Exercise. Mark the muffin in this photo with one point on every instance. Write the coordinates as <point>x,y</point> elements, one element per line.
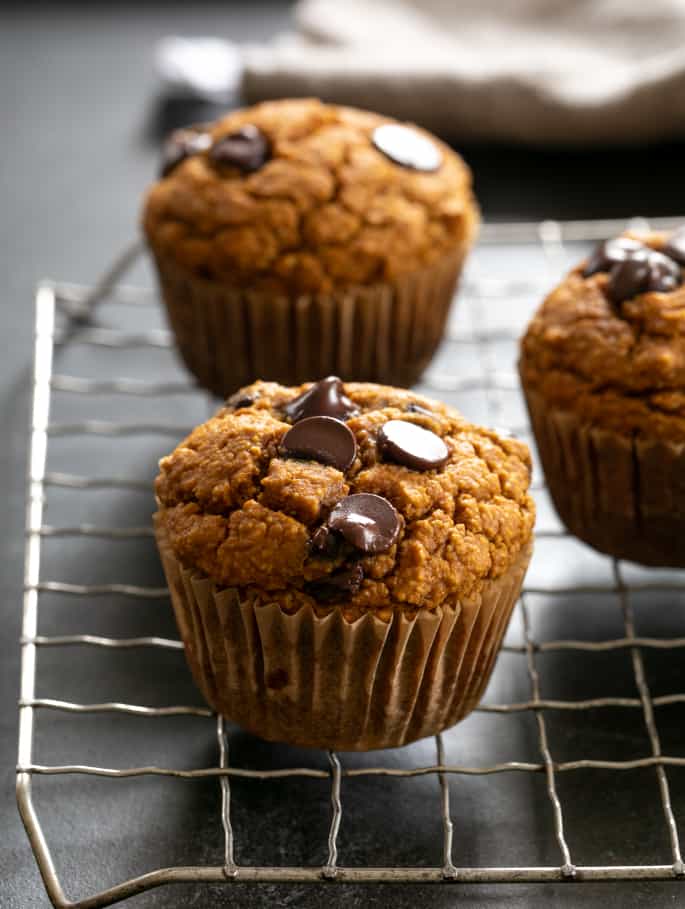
<point>603,371</point>
<point>343,560</point>
<point>294,239</point>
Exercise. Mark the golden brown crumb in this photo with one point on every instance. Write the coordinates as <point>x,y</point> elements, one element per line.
<point>237,511</point>
<point>620,367</point>
<point>327,209</point>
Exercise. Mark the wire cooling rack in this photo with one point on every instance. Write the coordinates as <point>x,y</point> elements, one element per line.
<point>87,356</point>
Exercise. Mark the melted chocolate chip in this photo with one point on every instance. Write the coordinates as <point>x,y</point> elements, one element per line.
<point>336,586</point>
<point>326,398</point>
<point>664,273</point>
<point>241,399</point>
<point>628,279</point>
<point>411,445</point>
<point>675,248</point>
<point>323,439</point>
<point>635,268</point>
<point>367,521</point>
<point>247,149</point>
<point>636,276</point>
<point>407,147</point>
<point>181,144</point>
<point>611,252</point>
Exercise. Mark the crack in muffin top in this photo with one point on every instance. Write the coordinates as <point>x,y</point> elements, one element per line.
<point>235,507</point>
<point>326,208</point>
<point>621,364</point>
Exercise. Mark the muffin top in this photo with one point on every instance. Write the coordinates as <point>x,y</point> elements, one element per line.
<point>363,496</point>
<point>302,196</point>
<point>609,342</point>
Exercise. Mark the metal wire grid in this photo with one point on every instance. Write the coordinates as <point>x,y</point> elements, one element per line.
<point>77,303</point>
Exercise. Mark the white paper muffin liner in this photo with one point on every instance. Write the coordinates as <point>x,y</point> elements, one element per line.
<point>324,682</point>
<point>384,332</point>
<point>623,495</point>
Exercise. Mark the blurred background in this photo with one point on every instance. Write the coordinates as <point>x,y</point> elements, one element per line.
<point>564,109</point>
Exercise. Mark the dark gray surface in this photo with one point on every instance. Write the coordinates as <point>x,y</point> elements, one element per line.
<point>77,94</point>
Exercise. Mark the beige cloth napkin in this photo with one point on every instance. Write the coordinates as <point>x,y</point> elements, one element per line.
<point>582,71</point>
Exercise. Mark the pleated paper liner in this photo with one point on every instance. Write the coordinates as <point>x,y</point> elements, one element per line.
<point>623,495</point>
<point>329,683</point>
<point>385,332</point>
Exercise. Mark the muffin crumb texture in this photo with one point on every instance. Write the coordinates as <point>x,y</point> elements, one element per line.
<point>238,510</point>
<point>325,208</point>
<point>619,364</point>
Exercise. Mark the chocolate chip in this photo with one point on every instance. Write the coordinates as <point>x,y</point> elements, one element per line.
<point>628,279</point>
<point>241,399</point>
<point>326,398</point>
<point>417,408</point>
<point>411,445</point>
<point>635,268</point>
<point>611,252</point>
<point>342,584</point>
<point>323,439</point>
<point>664,273</point>
<point>367,521</point>
<point>675,248</point>
<point>631,277</point>
<point>247,149</point>
<point>407,147</point>
<point>181,144</point>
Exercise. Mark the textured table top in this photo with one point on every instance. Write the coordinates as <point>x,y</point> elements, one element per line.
<point>80,146</point>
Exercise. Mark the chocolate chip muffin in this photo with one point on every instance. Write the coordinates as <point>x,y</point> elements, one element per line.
<point>295,238</point>
<point>343,560</point>
<point>603,371</point>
